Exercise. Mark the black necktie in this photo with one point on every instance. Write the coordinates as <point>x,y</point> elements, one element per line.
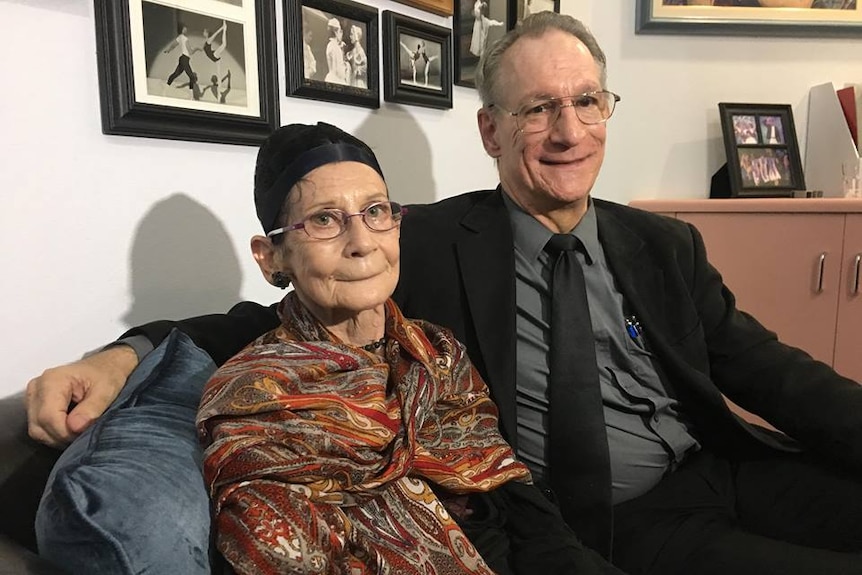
<point>579,463</point>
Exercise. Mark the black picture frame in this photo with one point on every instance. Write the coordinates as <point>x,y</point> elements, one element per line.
<point>518,7</point>
<point>239,105</point>
<point>302,17</point>
<point>409,74</point>
<point>763,157</point>
<point>468,40</point>
<point>673,17</point>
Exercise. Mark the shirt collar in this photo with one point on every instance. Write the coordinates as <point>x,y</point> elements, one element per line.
<point>531,236</point>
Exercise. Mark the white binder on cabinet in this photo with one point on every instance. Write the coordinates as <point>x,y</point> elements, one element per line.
<point>829,145</point>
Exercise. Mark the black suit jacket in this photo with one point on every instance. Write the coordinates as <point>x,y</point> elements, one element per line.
<point>457,270</point>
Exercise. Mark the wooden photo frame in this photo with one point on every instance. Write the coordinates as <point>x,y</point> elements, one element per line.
<point>170,70</point>
<point>332,52</point>
<point>441,7</point>
<point>476,25</point>
<point>820,18</point>
<point>417,62</point>
<point>520,9</point>
<point>763,157</point>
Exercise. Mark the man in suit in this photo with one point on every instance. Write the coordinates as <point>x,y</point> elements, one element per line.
<point>690,487</point>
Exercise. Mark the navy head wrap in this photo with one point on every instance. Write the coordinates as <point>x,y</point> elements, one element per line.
<point>293,151</point>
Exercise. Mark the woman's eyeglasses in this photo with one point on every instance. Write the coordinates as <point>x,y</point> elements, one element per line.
<point>331,223</point>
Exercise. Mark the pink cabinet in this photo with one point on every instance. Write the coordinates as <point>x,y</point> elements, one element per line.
<point>848,336</point>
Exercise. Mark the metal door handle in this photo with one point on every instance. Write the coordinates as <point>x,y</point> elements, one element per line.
<point>857,263</point>
<point>821,265</point>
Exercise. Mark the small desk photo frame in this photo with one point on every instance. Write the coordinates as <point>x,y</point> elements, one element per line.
<point>763,157</point>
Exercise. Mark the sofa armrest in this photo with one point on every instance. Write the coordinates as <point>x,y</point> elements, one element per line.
<point>24,468</point>
<point>16,560</point>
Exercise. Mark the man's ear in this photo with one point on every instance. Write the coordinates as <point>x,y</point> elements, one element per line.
<point>488,131</point>
<point>265,255</point>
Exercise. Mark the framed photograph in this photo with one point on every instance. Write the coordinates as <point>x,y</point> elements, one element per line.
<point>417,60</point>
<point>819,18</point>
<point>520,9</point>
<point>331,51</point>
<point>477,24</point>
<point>762,152</point>
<point>178,71</point>
<point>441,7</point>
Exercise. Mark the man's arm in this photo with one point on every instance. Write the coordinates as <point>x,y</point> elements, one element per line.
<point>220,335</point>
<point>65,400</point>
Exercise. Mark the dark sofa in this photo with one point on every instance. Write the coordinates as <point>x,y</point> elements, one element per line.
<point>24,468</point>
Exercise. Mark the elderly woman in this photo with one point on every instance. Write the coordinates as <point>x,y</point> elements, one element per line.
<point>350,439</point>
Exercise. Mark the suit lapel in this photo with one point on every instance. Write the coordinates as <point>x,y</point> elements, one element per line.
<point>486,261</point>
<point>639,278</point>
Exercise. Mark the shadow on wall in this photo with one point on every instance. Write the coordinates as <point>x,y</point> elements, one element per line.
<point>404,153</point>
<point>182,263</point>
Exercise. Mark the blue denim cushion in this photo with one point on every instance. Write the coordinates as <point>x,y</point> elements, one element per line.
<point>127,496</point>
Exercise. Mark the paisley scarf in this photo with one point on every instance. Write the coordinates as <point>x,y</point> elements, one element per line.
<point>320,455</point>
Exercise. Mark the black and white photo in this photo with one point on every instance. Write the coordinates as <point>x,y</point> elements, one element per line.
<point>420,62</point>
<point>174,70</point>
<point>192,56</point>
<point>524,8</point>
<point>477,24</point>
<point>332,51</point>
<point>416,62</point>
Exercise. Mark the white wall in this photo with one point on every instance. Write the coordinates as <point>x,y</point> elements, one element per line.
<point>98,233</point>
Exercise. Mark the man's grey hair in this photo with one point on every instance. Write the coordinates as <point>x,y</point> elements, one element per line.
<point>533,26</point>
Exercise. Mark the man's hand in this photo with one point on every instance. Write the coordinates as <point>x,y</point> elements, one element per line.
<point>66,400</point>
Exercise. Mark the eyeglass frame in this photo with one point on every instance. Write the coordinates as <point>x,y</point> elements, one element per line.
<point>572,99</point>
<point>345,219</point>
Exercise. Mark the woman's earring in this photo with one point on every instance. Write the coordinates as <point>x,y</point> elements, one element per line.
<point>280,280</point>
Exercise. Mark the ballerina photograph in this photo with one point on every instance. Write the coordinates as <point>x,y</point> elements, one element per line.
<point>203,61</point>
<point>478,24</point>
<point>417,62</point>
<point>418,57</point>
<point>481,25</point>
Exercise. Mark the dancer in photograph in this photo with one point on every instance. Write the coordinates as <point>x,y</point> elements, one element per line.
<point>184,60</point>
<point>481,24</point>
<point>215,54</point>
<point>414,56</point>
<point>309,62</point>
<point>337,65</point>
<point>428,59</point>
<point>226,83</point>
<point>357,59</point>
<point>215,87</point>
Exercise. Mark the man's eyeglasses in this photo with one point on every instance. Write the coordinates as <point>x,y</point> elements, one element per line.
<point>331,223</point>
<point>539,115</point>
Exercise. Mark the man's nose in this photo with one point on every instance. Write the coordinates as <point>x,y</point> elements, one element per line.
<point>568,128</point>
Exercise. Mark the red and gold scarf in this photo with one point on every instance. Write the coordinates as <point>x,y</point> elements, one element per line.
<point>319,454</point>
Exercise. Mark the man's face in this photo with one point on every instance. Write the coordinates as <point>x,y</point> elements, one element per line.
<point>551,171</point>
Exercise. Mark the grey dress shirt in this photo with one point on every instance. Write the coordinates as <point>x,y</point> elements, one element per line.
<point>647,435</point>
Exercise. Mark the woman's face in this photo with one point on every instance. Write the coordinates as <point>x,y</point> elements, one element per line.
<point>357,271</point>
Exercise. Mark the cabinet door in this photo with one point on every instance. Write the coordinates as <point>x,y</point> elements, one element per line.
<point>848,340</point>
<point>772,263</point>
